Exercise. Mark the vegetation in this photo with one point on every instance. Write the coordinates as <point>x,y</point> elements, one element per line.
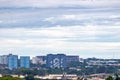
<point>115,77</point>
<point>23,71</point>
<point>78,68</point>
<point>10,78</point>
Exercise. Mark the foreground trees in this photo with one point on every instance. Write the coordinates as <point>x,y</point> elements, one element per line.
<point>10,78</point>
<point>30,77</point>
<point>116,77</point>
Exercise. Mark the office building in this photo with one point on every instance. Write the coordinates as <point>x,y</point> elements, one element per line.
<point>25,62</point>
<point>72,58</point>
<point>0,59</point>
<point>41,59</point>
<point>56,60</point>
<point>60,60</point>
<point>34,60</point>
<point>12,61</point>
<point>4,59</point>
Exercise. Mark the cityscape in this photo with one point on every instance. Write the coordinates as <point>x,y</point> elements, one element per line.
<point>59,39</point>
<point>58,66</point>
<point>51,60</point>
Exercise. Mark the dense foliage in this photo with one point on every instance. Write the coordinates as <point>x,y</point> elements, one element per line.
<point>79,68</point>
<point>115,77</point>
<point>10,78</point>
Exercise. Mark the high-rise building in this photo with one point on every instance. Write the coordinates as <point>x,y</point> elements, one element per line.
<point>72,58</point>
<point>60,60</point>
<point>56,60</point>
<point>1,60</point>
<point>4,59</point>
<point>12,61</point>
<point>25,62</point>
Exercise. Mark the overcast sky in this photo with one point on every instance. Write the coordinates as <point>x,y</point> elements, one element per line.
<point>88,28</point>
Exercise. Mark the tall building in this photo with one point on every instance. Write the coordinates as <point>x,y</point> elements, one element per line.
<point>56,60</point>
<point>4,59</point>
<point>1,60</point>
<point>60,60</point>
<point>25,62</point>
<point>72,58</point>
<point>12,61</point>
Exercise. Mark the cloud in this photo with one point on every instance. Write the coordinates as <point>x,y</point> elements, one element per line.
<point>86,19</point>
<point>82,27</point>
<point>38,47</point>
<point>59,3</point>
<point>63,33</point>
<point>72,39</point>
<point>37,18</point>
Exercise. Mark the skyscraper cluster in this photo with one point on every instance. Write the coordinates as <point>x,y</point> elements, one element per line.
<point>58,60</point>
<point>12,61</point>
<point>50,60</point>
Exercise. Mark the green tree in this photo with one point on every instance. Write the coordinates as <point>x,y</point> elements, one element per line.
<point>7,77</point>
<point>109,78</point>
<point>29,77</point>
<point>116,77</point>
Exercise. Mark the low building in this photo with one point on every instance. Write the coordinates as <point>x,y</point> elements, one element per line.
<point>14,76</point>
<point>21,76</point>
<point>60,76</point>
<point>34,60</point>
<point>95,79</point>
<point>100,76</point>
<point>39,60</point>
<point>0,75</point>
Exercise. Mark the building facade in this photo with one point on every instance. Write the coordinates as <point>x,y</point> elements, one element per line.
<point>4,59</point>
<point>70,59</point>
<point>1,60</point>
<point>60,60</point>
<point>34,60</point>
<point>25,62</point>
<point>39,60</point>
<point>12,61</point>
<point>56,60</point>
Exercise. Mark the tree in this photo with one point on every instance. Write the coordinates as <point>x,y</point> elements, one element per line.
<point>7,77</point>
<point>109,78</point>
<point>116,77</point>
<point>29,77</point>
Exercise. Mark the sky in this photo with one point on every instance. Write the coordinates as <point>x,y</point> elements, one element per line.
<point>88,28</point>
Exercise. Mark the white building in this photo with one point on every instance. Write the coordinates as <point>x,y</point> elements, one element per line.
<point>60,76</point>
<point>39,60</point>
<point>35,60</point>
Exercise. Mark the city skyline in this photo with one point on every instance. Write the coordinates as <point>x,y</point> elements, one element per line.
<point>88,28</point>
